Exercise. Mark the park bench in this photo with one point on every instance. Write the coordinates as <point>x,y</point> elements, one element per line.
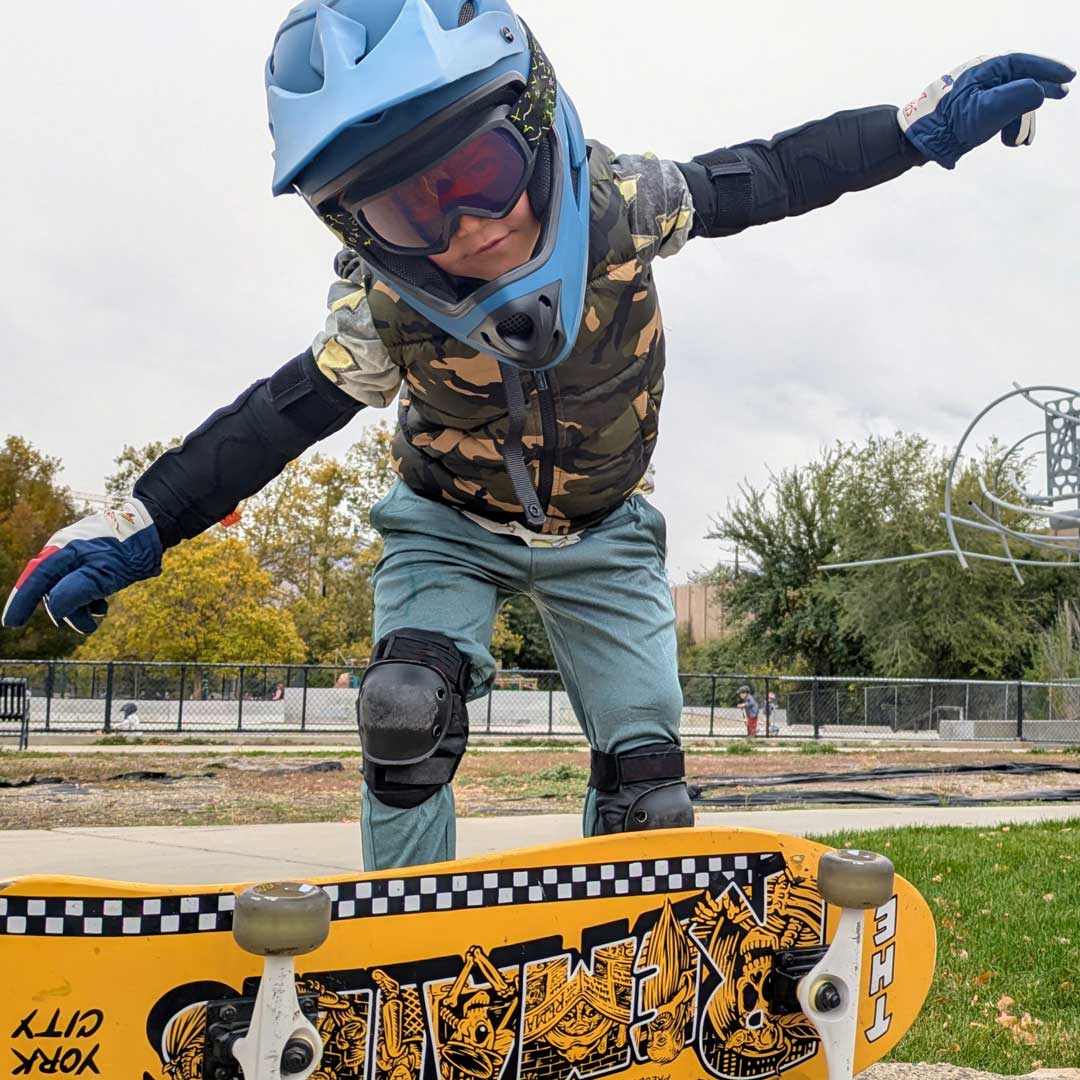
<point>15,707</point>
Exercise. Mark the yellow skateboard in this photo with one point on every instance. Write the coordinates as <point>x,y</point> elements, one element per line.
<point>674,955</point>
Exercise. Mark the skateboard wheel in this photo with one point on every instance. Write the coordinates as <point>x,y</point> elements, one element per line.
<point>281,918</point>
<point>855,879</point>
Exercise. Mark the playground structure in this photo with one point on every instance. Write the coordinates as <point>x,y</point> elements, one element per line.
<point>1056,508</point>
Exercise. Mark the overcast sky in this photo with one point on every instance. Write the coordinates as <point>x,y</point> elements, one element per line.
<point>147,276</point>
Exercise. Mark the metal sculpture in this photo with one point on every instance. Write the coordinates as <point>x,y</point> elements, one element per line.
<point>1058,506</point>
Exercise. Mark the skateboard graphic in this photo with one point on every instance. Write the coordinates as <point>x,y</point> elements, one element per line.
<point>673,955</point>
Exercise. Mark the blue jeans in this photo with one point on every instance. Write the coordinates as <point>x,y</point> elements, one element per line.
<point>605,604</point>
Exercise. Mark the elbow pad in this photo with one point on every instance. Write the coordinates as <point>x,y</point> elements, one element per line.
<point>241,448</point>
<point>721,186</point>
<point>808,167</point>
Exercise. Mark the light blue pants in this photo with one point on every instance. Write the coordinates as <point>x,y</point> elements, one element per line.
<point>605,603</point>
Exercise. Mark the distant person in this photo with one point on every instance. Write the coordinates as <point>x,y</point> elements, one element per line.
<point>129,718</point>
<point>354,674</point>
<point>774,715</point>
<point>343,681</point>
<point>750,707</point>
<point>279,692</point>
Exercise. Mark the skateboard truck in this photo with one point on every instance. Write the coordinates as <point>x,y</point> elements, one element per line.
<point>279,921</point>
<point>853,881</point>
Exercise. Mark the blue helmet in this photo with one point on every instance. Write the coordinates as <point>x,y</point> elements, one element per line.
<point>360,92</point>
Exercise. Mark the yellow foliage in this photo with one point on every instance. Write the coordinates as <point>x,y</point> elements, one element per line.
<point>211,604</point>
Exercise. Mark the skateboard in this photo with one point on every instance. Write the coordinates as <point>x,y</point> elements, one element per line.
<point>666,955</point>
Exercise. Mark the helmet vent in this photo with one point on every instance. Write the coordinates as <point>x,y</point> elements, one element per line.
<point>467,13</point>
<point>516,326</point>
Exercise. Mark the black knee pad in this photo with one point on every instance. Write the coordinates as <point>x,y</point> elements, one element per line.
<point>411,711</point>
<point>641,789</point>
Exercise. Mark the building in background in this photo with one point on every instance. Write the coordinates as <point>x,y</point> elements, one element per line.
<point>699,612</point>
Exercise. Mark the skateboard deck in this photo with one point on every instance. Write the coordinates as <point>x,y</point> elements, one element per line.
<point>652,955</point>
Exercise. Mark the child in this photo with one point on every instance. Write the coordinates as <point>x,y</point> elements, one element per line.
<point>497,271</point>
<point>750,709</point>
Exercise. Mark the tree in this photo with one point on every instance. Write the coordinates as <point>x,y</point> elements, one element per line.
<point>788,529</point>
<point>211,604</point>
<point>924,618</point>
<point>524,622</point>
<point>310,529</point>
<point>929,617</point>
<point>32,507</point>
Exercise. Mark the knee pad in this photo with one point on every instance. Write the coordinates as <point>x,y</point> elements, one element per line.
<point>641,789</point>
<point>411,711</point>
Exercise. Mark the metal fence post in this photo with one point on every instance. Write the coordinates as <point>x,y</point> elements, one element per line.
<point>303,699</point>
<point>551,710</point>
<point>712,706</point>
<point>108,696</point>
<point>1019,710</point>
<point>813,709</point>
<point>768,708</point>
<point>50,682</point>
<point>491,690</point>
<point>240,700</point>
<point>180,706</point>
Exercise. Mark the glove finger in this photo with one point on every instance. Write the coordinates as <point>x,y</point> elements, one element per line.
<point>39,576</point>
<point>1005,104</point>
<point>1054,90</point>
<point>1020,132</point>
<point>1014,67</point>
<point>81,591</point>
<point>86,619</point>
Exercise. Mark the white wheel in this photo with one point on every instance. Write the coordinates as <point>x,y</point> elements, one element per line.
<point>281,918</point>
<point>855,879</point>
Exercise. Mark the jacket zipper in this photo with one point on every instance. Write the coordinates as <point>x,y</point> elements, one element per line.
<point>549,444</point>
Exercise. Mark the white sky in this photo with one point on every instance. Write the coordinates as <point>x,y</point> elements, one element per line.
<point>147,276</point>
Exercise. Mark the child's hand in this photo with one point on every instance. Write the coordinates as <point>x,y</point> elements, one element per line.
<point>979,99</point>
<point>84,563</point>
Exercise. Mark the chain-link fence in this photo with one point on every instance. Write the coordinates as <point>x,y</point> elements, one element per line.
<point>118,697</point>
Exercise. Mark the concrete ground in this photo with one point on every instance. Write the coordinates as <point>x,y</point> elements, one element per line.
<point>230,854</point>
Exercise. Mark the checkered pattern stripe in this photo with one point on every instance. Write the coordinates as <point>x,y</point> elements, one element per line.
<point>135,917</point>
<point>62,916</point>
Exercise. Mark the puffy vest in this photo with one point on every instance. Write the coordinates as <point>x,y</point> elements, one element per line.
<point>591,422</point>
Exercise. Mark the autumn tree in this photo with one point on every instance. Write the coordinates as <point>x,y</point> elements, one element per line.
<point>33,505</point>
<point>211,604</point>
<point>310,529</point>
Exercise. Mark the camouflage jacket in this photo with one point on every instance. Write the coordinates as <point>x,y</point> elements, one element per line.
<point>591,422</point>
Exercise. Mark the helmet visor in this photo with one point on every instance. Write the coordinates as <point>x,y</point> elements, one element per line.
<point>484,176</point>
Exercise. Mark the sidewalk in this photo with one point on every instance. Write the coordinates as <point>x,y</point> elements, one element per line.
<point>230,854</point>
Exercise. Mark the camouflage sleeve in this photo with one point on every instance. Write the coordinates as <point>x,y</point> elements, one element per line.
<point>349,351</point>
<point>661,209</point>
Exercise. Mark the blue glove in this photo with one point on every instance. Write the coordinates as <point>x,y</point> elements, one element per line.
<point>979,99</point>
<point>84,563</point>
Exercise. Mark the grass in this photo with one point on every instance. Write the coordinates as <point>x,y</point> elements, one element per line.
<point>1006,993</point>
<point>817,748</point>
<point>739,748</point>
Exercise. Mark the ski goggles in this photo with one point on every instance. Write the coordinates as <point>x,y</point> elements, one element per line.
<point>484,176</point>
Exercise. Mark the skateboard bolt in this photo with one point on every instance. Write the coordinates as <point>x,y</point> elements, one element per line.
<point>228,1013</point>
<point>827,998</point>
<point>297,1057</point>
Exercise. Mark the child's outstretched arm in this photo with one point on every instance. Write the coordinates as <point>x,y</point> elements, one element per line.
<point>235,453</point>
<point>811,166</point>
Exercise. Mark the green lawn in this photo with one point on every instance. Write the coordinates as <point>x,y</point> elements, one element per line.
<point>1006,993</point>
